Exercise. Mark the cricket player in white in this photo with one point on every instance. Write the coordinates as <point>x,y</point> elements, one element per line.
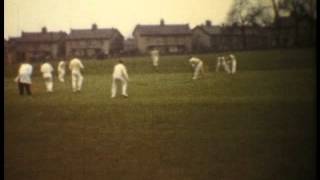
<point>75,67</point>
<point>46,69</point>
<point>155,58</point>
<point>119,75</point>
<point>61,70</point>
<point>24,78</point>
<point>233,62</point>
<point>197,64</point>
<point>221,61</point>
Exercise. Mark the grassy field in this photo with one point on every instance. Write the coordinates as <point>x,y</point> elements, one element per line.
<point>257,125</point>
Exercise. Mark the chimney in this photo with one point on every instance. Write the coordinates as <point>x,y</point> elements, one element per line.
<point>44,30</point>
<point>94,26</point>
<point>208,23</point>
<point>162,22</point>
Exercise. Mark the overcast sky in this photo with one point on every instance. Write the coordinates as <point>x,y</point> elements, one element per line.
<point>31,15</point>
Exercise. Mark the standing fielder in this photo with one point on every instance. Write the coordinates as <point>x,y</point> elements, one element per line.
<point>233,62</point>
<point>221,61</point>
<point>197,65</point>
<point>119,75</point>
<point>46,69</point>
<point>24,78</point>
<point>75,67</point>
<point>61,70</point>
<point>155,58</point>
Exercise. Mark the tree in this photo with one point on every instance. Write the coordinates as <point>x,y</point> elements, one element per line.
<point>299,10</point>
<point>245,13</point>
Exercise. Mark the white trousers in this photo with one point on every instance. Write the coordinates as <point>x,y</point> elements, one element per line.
<point>124,85</point>
<point>77,80</point>
<point>226,67</point>
<point>197,70</point>
<point>155,61</point>
<point>233,66</point>
<point>218,65</point>
<point>224,64</point>
<point>48,81</point>
<point>61,74</point>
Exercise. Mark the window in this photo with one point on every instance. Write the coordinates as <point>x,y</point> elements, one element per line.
<point>83,43</point>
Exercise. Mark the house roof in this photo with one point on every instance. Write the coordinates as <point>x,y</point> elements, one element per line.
<point>231,30</point>
<point>106,33</point>
<point>129,40</point>
<point>163,30</point>
<point>40,37</point>
<point>210,30</point>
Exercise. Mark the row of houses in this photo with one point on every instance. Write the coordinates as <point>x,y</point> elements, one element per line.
<point>88,43</point>
<point>167,38</point>
<point>208,38</point>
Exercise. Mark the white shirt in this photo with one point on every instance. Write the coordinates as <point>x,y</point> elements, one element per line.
<point>154,53</point>
<point>61,66</point>
<point>46,70</point>
<point>75,65</point>
<point>120,71</point>
<point>223,59</point>
<point>232,58</point>
<point>24,73</point>
<point>195,61</point>
<point>219,60</point>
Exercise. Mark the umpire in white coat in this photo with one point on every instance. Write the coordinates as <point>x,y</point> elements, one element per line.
<point>119,75</point>
<point>75,67</point>
<point>46,69</point>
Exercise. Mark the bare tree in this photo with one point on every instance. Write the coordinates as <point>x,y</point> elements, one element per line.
<point>275,7</point>
<point>248,13</point>
<point>258,15</point>
<point>237,16</point>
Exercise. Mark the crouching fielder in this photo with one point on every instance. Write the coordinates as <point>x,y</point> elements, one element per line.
<point>75,67</point>
<point>46,70</point>
<point>119,75</point>
<point>61,70</point>
<point>197,65</point>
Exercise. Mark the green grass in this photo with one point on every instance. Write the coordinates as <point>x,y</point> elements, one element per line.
<point>259,124</point>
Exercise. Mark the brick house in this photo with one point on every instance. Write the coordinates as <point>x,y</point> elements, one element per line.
<point>171,38</point>
<point>38,45</point>
<point>206,38</point>
<point>94,42</point>
<point>231,38</point>
<point>130,47</point>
